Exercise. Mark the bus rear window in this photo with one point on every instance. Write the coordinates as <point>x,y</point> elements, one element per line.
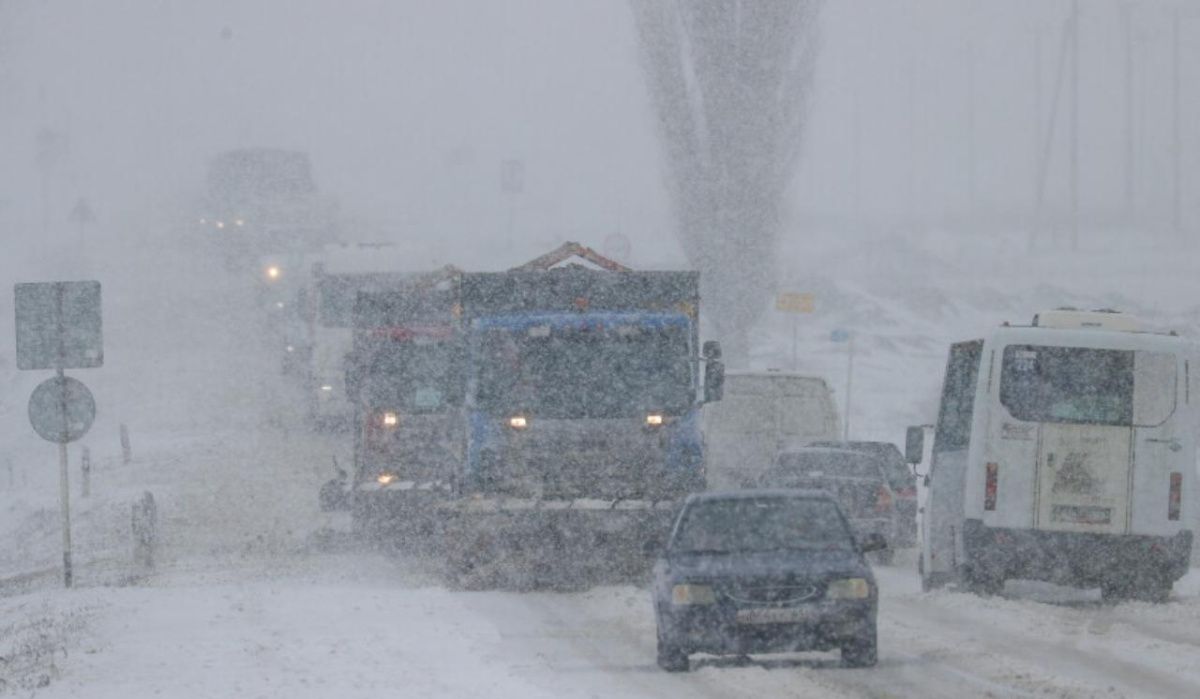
<point>1083,385</point>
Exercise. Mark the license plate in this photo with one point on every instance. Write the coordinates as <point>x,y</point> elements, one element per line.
<point>784,615</point>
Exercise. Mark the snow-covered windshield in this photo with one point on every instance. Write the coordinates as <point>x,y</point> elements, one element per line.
<point>769,523</point>
<point>415,377</point>
<point>1081,385</point>
<point>565,371</point>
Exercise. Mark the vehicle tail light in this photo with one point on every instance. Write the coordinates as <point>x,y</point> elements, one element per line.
<point>1175,496</point>
<point>990,486</point>
<point>883,499</point>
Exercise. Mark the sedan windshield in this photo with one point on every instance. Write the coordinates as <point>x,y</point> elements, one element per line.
<point>746,525</point>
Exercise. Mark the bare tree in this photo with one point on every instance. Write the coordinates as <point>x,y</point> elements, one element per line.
<point>730,81</point>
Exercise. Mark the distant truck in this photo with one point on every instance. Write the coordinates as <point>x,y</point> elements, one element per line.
<point>585,384</point>
<point>762,413</point>
<point>1064,451</point>
<point>264,201</point>
<point>325,306</point>
<point>405,379</point>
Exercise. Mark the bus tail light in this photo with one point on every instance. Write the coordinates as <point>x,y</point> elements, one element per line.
<point>883,499</point>
<point>1175,496</point>
<point>990,486</point>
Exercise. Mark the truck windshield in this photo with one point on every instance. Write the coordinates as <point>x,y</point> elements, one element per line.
<point>585,370</point>
<point>770,523</point>
<point>1085,385</point>
<point>415,377</point>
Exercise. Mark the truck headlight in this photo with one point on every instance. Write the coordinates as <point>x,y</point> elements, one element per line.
<point>693,594</point>
<point>849,588</point>
<point>654,420</point>
<point>518,422</point>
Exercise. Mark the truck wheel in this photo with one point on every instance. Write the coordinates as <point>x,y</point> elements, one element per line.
<point>862,651</point>
<point>1147,588</point>
<point>982,583</point>
<point>671,657</point>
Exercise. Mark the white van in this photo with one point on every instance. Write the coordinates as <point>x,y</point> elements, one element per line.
<point>761,413</point>
<point>1064,451</point>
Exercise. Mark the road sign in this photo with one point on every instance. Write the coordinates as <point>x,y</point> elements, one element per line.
<point>789,302</point>
<point>58,325</point>
<point>49,401</point>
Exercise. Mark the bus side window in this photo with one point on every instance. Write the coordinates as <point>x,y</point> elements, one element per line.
<point>958,397</point>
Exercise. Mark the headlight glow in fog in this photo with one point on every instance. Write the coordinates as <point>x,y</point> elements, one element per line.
<point>273,272</point>
<point>327,388</point>
<point>693,594</point>
<point>390,419</point>
<point>518,422</point>
<point>850,588</point>
<point>654,420</point>
<point>385,478</point>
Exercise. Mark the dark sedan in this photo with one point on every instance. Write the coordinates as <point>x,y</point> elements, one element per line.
<point>765,571</point>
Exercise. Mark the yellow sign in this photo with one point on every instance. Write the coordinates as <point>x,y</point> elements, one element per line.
<point>789,302</point>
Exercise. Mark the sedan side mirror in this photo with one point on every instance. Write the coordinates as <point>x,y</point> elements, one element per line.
<point>873,542</point>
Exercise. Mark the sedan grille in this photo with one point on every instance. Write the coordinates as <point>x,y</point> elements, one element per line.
<point>773,595</point>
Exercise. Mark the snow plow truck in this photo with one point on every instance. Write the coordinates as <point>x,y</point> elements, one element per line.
<point>585,382</point>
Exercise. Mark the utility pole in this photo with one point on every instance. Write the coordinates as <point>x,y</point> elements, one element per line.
<point>1074,125</point>
<point>1176,141</point>
<point>971,152</point>
<point>1036,223</point>
<point>1127,26</point>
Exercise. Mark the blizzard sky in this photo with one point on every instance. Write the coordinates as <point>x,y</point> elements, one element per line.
<point>408,108</point>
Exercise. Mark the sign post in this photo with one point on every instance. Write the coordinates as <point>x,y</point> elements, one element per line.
<point>795,304</point>
<point>848,338</point>
<point>58,326</point>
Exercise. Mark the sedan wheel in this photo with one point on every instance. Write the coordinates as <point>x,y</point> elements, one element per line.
<point>671,657</point>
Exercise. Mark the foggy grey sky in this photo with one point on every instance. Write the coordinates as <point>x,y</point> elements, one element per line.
<point>409,107</point>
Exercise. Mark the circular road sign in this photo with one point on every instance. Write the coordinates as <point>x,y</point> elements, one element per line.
<point>46,407</point>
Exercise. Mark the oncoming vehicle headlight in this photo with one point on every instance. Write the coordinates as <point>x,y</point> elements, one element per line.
<point>385,478</point>
<point>326,388</point>
<point>654,420</point>
<point>518,422</point>
<point>693,594</point>
<point>849,588</point>
<point>390,419</point>
<point>274,272</point>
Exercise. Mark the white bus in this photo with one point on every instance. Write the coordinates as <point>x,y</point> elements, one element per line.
<point>1064,451</point>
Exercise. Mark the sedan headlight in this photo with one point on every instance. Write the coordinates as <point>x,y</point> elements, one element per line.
<point>693,594</point>
<point>849,588</point>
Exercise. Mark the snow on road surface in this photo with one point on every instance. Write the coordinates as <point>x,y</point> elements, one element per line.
<point>245,602</point>
<point>360,625</point>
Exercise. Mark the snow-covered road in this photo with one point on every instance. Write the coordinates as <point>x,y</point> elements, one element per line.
<point>364,625</point>
<point>245,604</point>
